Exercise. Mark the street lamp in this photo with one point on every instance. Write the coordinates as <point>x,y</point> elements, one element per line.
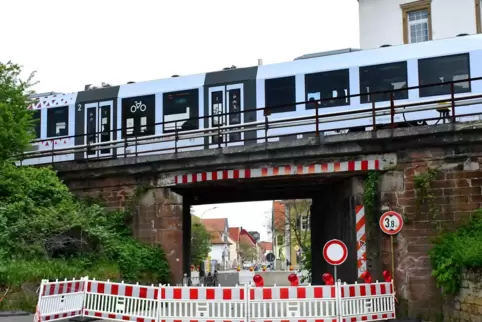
<point>205,211</point>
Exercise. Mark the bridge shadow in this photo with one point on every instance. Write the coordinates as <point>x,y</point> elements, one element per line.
<point>334,200</point>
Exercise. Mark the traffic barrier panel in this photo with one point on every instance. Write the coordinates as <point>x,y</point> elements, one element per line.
<point>367,302</point>
<point>138,303</point>
<point>121,302</point>
<point>292,303</point>
<point>60,299</point>
<point>191,304</point>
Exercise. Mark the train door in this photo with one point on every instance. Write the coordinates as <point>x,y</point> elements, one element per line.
<point>98,128</point>
<point>226,109</point>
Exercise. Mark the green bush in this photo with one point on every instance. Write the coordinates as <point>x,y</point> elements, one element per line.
<point>15,273</point>
<point>45,233</point>
<point>306,262</point>
<point>455,251</point>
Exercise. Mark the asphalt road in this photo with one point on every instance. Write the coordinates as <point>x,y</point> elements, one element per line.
<point>29,318</point>
<point>24,318</point>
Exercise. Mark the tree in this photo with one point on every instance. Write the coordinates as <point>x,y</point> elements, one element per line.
<point>298,220</point>
<point>45,232</point>
<point>200,241</point>
<point>291,227</point>
<point>16,125</point>
<point>294,218</point>
<point>247,251</point>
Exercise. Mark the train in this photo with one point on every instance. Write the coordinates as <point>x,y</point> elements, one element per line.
<point>187,106</point>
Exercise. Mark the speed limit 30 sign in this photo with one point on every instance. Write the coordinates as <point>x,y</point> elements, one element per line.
<point>391,223</point>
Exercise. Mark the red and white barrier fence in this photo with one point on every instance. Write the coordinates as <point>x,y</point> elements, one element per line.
<point>60,299</point>
<point>335,302</point>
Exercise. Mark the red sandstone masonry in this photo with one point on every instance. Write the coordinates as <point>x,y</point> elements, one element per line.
<point>457,193</point>
<point>152,224</point>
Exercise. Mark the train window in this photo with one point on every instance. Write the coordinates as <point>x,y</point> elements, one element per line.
<point>385,77</point>
<point>138,116</point>
<point>280,91</point>
<point>181,111</point>
<point>36,119</point>
<point>444,69</point>
<point>332,87</point>
<point>57,121</point>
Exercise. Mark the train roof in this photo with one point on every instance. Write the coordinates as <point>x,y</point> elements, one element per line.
<point>315,62</point>
<point>327,53</point>
<point>375,56</point>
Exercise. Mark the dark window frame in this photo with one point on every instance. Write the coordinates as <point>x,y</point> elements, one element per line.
<point>290,106</point>
<point>51,131</point>
<point>425,92</point>
<point>126,103</point>
<point>193,122</point>
<point>326,75</point>
<point>399,94</point>
<point>37,123</point>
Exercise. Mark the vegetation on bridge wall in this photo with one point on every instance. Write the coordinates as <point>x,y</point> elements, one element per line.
<point>454,250</point>
<point>44,231</point>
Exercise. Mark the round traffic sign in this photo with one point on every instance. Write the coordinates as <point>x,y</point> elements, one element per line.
<point>391,223</point>
<point>270,257</point>
<point>335,252</point>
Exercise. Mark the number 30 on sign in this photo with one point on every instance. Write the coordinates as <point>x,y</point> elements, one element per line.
<point>391,223</point>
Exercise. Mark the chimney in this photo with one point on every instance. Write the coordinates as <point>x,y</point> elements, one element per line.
<point>260,62</point>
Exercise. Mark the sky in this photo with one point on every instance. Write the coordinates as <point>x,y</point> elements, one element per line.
<point>252,216</point>
<point>74,43</point>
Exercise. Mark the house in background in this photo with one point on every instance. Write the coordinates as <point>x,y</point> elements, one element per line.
<point>249,248</point>
<point>267,247</point>
<point>411,21</point>
<point>234,251</point>
<point>256,235</point>
<point>281,248</point>
<point>219,230</point>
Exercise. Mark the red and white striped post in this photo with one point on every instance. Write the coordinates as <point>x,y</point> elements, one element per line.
<point>361,240</point>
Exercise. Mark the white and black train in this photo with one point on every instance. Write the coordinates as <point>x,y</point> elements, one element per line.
<point>194,100</point>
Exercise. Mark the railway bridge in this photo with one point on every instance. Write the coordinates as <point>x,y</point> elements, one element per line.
<point>329,169</point>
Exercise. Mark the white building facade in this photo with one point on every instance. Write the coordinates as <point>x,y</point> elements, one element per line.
<point>397,22</point>
<point>220,253</point>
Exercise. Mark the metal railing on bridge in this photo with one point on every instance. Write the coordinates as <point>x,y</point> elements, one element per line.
<point>448,109</point>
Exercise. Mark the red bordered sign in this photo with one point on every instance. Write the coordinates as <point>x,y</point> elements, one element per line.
<point>391,223</point>
<point>335,252</point>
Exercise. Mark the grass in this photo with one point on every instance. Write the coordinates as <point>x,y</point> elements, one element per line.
<point>22,279</point>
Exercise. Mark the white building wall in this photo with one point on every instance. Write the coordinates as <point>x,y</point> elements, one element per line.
<point>233,253</point>
<point>381,21</point>
<point>217,252</point>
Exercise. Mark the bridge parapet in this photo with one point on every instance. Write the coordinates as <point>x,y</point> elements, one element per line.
<point>349,149</point>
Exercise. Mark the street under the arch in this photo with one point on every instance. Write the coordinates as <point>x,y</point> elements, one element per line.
<point>334,200</point>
